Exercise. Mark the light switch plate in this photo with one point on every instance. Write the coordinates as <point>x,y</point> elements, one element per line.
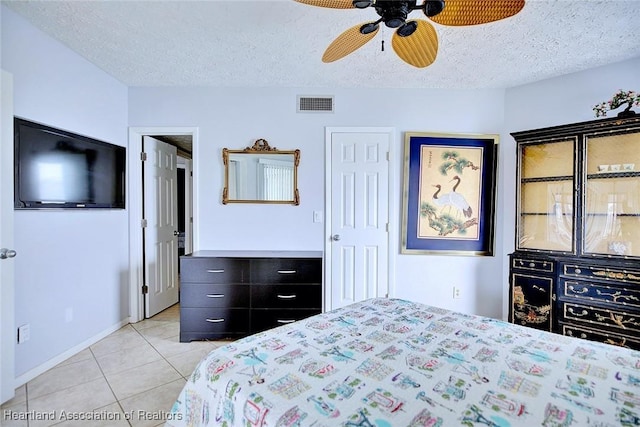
<point>24,333</point>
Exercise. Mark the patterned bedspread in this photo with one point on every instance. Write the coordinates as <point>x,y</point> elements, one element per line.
<point>390,362</point>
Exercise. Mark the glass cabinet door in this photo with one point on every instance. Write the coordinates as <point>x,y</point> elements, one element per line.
<point>546,196</point>
<point>612,200</point>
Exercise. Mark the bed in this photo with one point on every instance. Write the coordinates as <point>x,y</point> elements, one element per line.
<point>391,362</point>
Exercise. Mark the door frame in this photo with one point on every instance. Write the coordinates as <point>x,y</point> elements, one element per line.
<point>187,165</point>
<point>7,287</point>
<point>392,212</point>
<point>135,200</point>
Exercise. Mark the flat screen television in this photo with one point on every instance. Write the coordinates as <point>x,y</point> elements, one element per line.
<point>56,169</point>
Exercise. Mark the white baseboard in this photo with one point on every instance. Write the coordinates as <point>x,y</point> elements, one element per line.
<point>31,374</point>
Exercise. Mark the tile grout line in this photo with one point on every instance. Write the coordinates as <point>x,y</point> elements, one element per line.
<point>95,359</point>
<point>62,389</point>
<point>160,353</point>
<point>109,385</point>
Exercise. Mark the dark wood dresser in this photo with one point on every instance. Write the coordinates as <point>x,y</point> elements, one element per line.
<point>230,294</point>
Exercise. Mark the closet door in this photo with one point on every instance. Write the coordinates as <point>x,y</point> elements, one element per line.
<point>358,243</point>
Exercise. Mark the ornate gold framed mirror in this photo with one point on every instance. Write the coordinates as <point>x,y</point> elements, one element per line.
<point>260,174</point>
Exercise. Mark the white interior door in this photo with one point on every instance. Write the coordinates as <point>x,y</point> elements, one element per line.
<point>358,248</point>
<point>161,232</point>
<point>7,322</point>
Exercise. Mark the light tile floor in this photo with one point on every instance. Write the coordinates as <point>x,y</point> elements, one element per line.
<point>130,378</point>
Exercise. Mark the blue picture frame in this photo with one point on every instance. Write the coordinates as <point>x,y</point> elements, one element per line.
<point>449,193</point>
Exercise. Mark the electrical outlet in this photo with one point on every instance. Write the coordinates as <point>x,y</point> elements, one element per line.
<point>457,292</point>
<point>24,333</point>
<point>68,315</point>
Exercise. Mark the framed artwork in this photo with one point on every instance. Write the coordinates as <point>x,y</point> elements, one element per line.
<point>449,194</point>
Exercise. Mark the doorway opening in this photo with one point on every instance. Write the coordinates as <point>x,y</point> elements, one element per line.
<point>146,266</point>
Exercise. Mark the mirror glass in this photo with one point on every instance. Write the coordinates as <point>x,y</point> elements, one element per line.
<point>261,174</point>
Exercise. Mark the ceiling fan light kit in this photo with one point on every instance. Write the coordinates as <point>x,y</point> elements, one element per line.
<point>362,4</point>
<point>432,8</point>
<point>414,41</point>
<point>393,13</point>
<point>369,28</point>
<point>407,29</point>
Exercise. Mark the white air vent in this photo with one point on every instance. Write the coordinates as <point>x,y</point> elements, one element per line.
<point>315,104</point>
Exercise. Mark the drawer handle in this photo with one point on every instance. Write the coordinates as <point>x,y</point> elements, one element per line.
<point>582,313</point>
<point>532,264</point>
<point>214,320</point>
<point>287,296</point>
<point>576,291</point>
<point>287,271</point>
<point>582,334</point>
<point>578,271</point>
<point>284,321</point>
<point>216,271</point>
<point>215,295</point>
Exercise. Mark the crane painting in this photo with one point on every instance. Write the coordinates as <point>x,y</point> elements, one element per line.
<point>452,199</point>
<point>449,193</point>
<point>450,209</point>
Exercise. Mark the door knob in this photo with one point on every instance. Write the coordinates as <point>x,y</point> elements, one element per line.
<point>7,253</point>
<point>335,237</point>
<point>176,233</point>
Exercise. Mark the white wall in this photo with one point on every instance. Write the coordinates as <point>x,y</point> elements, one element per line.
<point>235,118</point>
<point>551,102</point>
<point>69,262</point>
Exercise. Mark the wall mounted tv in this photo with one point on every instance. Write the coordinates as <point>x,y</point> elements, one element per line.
<point>56,169</point>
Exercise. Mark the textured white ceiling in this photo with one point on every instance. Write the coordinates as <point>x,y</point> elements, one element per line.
<point>280,43</point>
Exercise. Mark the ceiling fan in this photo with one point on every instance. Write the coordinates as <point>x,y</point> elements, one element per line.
<point>415,41</point>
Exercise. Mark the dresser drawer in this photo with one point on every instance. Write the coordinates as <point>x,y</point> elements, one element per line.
<point>214,270</point>
<point>619,321</point>
<point>286,270</point>
<point>601,273</point>
<point>600,292</point>
<point>533,264</point>
<point>267,319</point>
<point>286,296</point>
<point>600,336</point>
<point>214,320</point>
<point>205,295</point>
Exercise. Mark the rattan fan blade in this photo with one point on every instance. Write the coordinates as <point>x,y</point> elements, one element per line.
<point>346,43</point>
<point>420,48</point>
<point>334,4</point>
<point>474,12</point>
